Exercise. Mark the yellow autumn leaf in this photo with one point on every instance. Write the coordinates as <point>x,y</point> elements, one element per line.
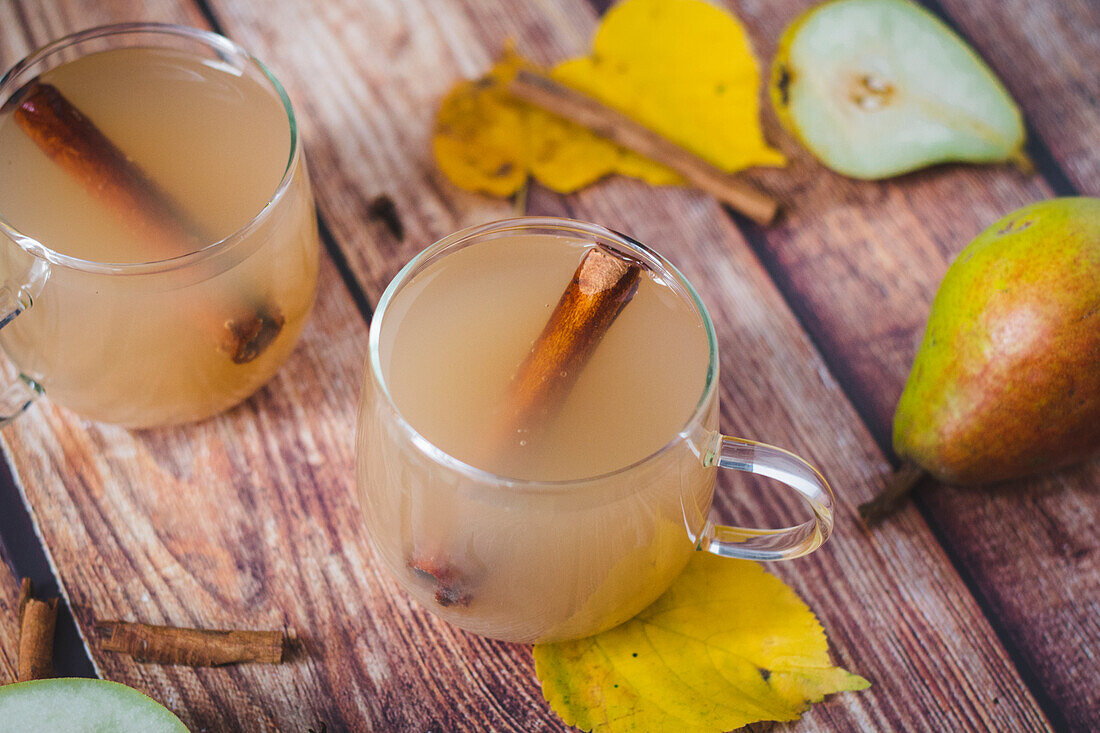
<point>481,139</point>
<point>684,69</point>
<point>484,140</point>
<point>726,645</point>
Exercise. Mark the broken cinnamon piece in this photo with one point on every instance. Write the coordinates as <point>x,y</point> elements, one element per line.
<point>586,111</point>
<point>451,586</point>
<point>243,329</point>
<point>37,621</point>
<point>603,283</point>
<point>190,647</point>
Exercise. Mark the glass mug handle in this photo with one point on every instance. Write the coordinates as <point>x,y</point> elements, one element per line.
<point>787,468</point>
<point>19,395</point>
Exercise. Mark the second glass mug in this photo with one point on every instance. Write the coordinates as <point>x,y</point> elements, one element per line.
<point>546,561</point>
<point>139,344</point>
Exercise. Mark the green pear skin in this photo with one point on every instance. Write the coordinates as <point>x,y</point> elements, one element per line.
<point>1007,379</point>
<point>76,705</point>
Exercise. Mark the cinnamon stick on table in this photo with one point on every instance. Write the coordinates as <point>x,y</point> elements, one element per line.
<point>602,285</point>
<point>558,99</point>
<point>37,621</point>
<point>191,647</point>
<point>241,328</point>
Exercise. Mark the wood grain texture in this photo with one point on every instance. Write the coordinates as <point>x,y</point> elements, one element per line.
<point>860,262</point>
<point>896,611</point>
<point>247,519</point>
<point>27,24</point>
<point>9,623</point>
<point>23,27</point>
<point>1048,54</point>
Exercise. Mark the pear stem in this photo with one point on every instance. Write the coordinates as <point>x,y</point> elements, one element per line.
<point>1022,162</point>
<point>893,495</point>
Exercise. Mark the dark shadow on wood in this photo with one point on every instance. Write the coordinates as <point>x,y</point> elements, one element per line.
<point>24,554</point>
<point>860,400</point>
<point>336,254</point>
<point>1052,172</point>
<point>209,16</point>
<point>1045,163</point>
<point>358,295</point>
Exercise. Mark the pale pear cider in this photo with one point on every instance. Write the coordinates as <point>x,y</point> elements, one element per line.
<point>141,344</point>
<point>552,543</point>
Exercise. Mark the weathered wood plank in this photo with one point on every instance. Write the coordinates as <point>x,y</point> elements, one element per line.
<point>900,614</point>
<point>26,25</point>
<point>1048,54</point>
<point>860,263</point>
<point>9,623</point>
<point>23,27</point>
<point>248,520</point>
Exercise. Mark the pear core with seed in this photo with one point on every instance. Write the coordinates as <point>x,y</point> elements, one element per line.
<point>876,88</point>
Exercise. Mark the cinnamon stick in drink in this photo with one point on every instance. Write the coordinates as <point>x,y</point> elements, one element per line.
<point>602,285</point>
<point>240,327</point>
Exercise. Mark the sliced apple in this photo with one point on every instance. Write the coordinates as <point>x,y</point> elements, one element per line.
<point>875,88</point>
<point>77,705</point>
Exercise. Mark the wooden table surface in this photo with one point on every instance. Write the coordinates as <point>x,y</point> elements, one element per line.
<point>971,610</point>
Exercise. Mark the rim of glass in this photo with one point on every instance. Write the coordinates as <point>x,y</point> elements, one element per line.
<point>221,45</point>
<point>567,226</point>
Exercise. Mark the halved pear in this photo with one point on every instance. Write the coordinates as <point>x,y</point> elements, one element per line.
<point>77,705</point>
<point>875,88</point>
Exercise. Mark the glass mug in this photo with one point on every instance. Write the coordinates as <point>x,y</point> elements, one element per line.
<point>177,337</point>
<point>538,561</point>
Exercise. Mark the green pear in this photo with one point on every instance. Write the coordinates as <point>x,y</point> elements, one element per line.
<point>1006,382</point>
<point>875,88</point>
<point>77,705</point>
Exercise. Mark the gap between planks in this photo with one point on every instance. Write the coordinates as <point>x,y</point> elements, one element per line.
<point>802,326</point>
<point>1036,147</point>
<point>1053,173</point>
<point>28,556</point>
<point>335,251</point>
<point>331,243</point>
